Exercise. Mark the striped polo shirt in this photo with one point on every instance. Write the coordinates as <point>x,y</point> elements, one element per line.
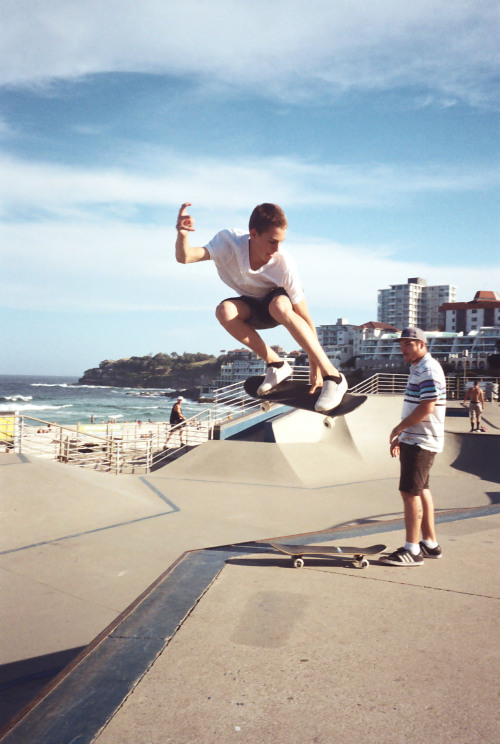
<point>425,382</point>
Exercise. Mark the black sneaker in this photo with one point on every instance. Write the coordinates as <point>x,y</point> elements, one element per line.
<point>403,557</point>
<point>431,552</point>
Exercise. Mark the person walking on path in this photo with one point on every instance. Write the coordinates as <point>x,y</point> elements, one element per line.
<point>176,419</point>
<point>475,396</point>
<point>269,294</point>
<point>416,440</point>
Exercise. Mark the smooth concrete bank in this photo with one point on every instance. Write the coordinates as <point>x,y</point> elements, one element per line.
<point>326,654</point>
<point>311,655</point>
<point>82,546</point>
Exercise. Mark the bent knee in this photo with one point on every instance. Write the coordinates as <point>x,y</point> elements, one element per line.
<point>225,311</point>
<point>280,306</point>
<point>228,310</point>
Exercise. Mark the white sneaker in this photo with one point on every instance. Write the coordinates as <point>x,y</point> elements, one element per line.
<point>274,375</point>
<point>331,395</point>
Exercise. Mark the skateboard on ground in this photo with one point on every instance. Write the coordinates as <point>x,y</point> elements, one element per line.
<point>295,393</point>
<point>298,552</point>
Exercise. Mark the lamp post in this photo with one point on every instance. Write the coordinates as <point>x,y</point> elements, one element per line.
<point>465,354</point>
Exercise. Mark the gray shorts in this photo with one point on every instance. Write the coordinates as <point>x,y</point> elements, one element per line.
<point>475,408</point>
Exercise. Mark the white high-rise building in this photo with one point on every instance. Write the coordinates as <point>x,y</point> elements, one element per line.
<point>413,304</point>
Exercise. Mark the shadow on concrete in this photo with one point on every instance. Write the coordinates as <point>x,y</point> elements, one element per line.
<point>477,455</point>
<point>21,681</point>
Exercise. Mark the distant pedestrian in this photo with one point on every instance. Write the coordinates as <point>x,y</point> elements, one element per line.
<point>417,439</point>
<point>475,396</point>
<point>177,419</point>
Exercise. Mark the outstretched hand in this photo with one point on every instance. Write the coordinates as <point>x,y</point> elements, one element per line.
<point>184,221</point>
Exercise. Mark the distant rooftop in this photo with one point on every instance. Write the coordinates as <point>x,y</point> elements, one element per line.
<point>483,299</point>
<point>374,324</point>
<point>486,296</point>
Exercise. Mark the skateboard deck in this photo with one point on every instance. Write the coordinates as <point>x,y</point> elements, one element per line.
<point>295,393</point>
<point>298,552</point>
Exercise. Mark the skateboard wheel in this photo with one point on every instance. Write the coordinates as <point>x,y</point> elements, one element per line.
<point>328,422</point>
<point>298,562</point>
<point>363,563</point>
<point>265,406</point>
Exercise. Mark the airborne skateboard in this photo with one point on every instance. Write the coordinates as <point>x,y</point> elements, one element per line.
<point>295,393</point>
<point>297,552</point>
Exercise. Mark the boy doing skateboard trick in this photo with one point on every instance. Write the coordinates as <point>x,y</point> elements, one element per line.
<point>269,294</point>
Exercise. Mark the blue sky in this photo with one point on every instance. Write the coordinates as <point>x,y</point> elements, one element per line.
<point>374,124</point>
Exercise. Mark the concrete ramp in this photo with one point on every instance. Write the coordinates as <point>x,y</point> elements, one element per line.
<point>470,453</point>
<point>355,449</point>
<point>234,462</point>
<point>51,501</point>
<point>308,454</point>
<point>305,452</point>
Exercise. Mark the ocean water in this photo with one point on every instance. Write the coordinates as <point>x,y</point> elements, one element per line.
<point>61,400</point>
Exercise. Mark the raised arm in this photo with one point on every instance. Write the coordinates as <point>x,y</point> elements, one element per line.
<point>184,252</point>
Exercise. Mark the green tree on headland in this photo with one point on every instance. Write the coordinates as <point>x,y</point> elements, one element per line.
<point>158,371</point>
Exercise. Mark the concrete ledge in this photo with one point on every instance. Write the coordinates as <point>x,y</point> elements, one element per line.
<point>84,696</point>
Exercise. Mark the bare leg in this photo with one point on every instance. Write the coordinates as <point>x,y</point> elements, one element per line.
<point>419,516</point>
<point>233,316</point>
<point>413,516</point>
<point>428,525</point>
<point>281,310</point>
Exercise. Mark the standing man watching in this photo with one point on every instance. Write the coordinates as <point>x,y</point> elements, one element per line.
<point>417,439</point>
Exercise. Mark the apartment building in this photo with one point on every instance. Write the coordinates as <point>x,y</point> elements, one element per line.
<point>243,363</point>
<point>337,340</point>
<point>446,346</point>
<point>366,335</point>
<point>414,303</point>
<point>482,311</point>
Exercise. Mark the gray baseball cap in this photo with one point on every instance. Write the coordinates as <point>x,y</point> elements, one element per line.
<point>415,333</point>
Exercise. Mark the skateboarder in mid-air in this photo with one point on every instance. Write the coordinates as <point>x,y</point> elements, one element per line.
<point>269,294</point>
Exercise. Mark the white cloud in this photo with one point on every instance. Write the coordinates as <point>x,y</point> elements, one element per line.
<point>88,267</point>
<point>101,195</point>
<point>347,277</point>
<point>83,252</point>
<point>115,267</point>
<point>291,49</point>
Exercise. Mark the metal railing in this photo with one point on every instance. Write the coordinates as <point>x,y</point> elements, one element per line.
<point>140,448</point>
<point>115,448</point>
<point>232,400</point>
<point>381,384</point>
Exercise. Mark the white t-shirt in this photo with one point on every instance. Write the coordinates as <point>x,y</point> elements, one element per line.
<point>229,249</point>
<point>426,382</point>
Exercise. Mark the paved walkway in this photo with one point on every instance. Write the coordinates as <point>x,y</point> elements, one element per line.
<point>231,641</point>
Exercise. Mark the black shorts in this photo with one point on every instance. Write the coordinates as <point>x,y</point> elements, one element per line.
<point>178,422</point>
<point>416,464</point>
<point>260,317</point>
